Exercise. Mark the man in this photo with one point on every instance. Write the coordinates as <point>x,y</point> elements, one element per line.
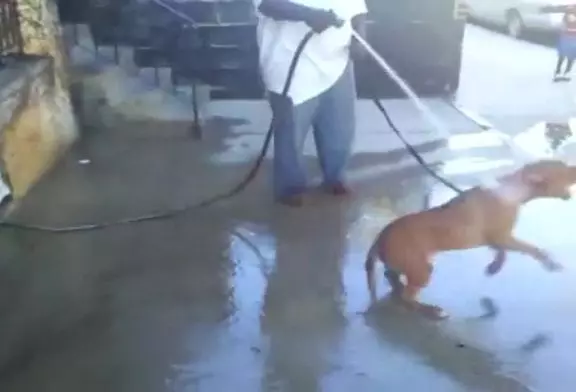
<point>322,94</point>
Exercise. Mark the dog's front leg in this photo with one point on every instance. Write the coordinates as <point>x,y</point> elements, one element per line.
<point>496,265</point>
<point>517,245</point>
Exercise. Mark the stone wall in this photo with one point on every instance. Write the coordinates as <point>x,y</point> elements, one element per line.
<point>37,123</point>
<point>31,119</point>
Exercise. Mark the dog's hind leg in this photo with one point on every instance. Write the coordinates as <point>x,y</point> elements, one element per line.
<point>370,266</point>
<point>416,280</point>
<point>393,279</point>
<point>391,276</point>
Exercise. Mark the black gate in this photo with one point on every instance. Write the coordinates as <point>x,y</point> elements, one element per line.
<point>421,39</point>
<point>11,41</point>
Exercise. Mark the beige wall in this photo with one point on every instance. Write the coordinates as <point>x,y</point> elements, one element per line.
<point>41,128</point>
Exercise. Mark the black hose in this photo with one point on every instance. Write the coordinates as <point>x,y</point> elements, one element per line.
<point>246,180</point>
<point>412,150</point>
<point>177,211</point>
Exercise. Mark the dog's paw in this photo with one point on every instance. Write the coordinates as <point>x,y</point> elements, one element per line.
<point>493,268</point>
<point>553,266</point>
<point>490,308</point>
<point>434,312</point>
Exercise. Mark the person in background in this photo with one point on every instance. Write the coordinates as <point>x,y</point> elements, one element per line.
<point>322,95</point>
<point>566,45</point>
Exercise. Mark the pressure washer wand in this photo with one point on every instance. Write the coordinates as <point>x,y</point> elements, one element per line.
<point>436,123</point>
<point>430,116</point>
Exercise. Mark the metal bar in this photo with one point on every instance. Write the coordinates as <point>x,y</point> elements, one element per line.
<point>174,11</point>
<point>116,53</point>
<point>75,34</point>
<point>19,40</point>
<point>174,80</point>
<point>196,127</point>
<point>4,32</point>
<point>157,76</point>
<point>10,34</point>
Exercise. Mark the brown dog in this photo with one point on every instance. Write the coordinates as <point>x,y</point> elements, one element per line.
<point>478,217</point>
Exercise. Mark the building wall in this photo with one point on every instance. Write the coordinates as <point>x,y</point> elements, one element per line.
<point>39,123</point>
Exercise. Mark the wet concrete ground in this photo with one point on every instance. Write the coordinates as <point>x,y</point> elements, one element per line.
<point>253,297</point>
<point>509,81</point>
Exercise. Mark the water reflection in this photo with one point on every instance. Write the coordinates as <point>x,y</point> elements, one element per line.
<point>472,367</point>
<point>302,313</point>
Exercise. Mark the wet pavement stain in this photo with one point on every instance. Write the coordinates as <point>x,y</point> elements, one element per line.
<point>251,296</point>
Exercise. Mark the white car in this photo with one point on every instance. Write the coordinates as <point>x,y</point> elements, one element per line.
<point>517,16</point>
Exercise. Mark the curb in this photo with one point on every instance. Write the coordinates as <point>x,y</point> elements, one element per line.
<point>474,117</point>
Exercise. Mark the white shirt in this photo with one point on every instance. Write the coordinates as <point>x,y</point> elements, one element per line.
<point>324,58</point>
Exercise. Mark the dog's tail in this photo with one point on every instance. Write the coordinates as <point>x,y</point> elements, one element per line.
<point>370,266</point>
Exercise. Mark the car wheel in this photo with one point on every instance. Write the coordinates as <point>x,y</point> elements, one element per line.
<point>514,24</point>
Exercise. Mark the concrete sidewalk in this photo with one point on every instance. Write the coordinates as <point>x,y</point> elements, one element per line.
<point>250,296</point>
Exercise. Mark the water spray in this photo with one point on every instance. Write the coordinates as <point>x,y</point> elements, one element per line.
<point>427,113</point>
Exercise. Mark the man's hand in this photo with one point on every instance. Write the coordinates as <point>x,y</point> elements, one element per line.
<point>320,20</point>
<point>317,19</point>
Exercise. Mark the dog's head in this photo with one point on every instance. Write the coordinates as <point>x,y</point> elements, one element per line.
<point>548,179</point>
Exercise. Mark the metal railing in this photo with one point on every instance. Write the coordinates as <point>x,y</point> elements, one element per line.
<point>11,41</point>
<point>202,43</point>
<point>215,38</point>
<point>183,17</point>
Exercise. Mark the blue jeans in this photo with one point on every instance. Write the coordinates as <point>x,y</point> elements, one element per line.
<point>567,46</point>
<point>332,116</point>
